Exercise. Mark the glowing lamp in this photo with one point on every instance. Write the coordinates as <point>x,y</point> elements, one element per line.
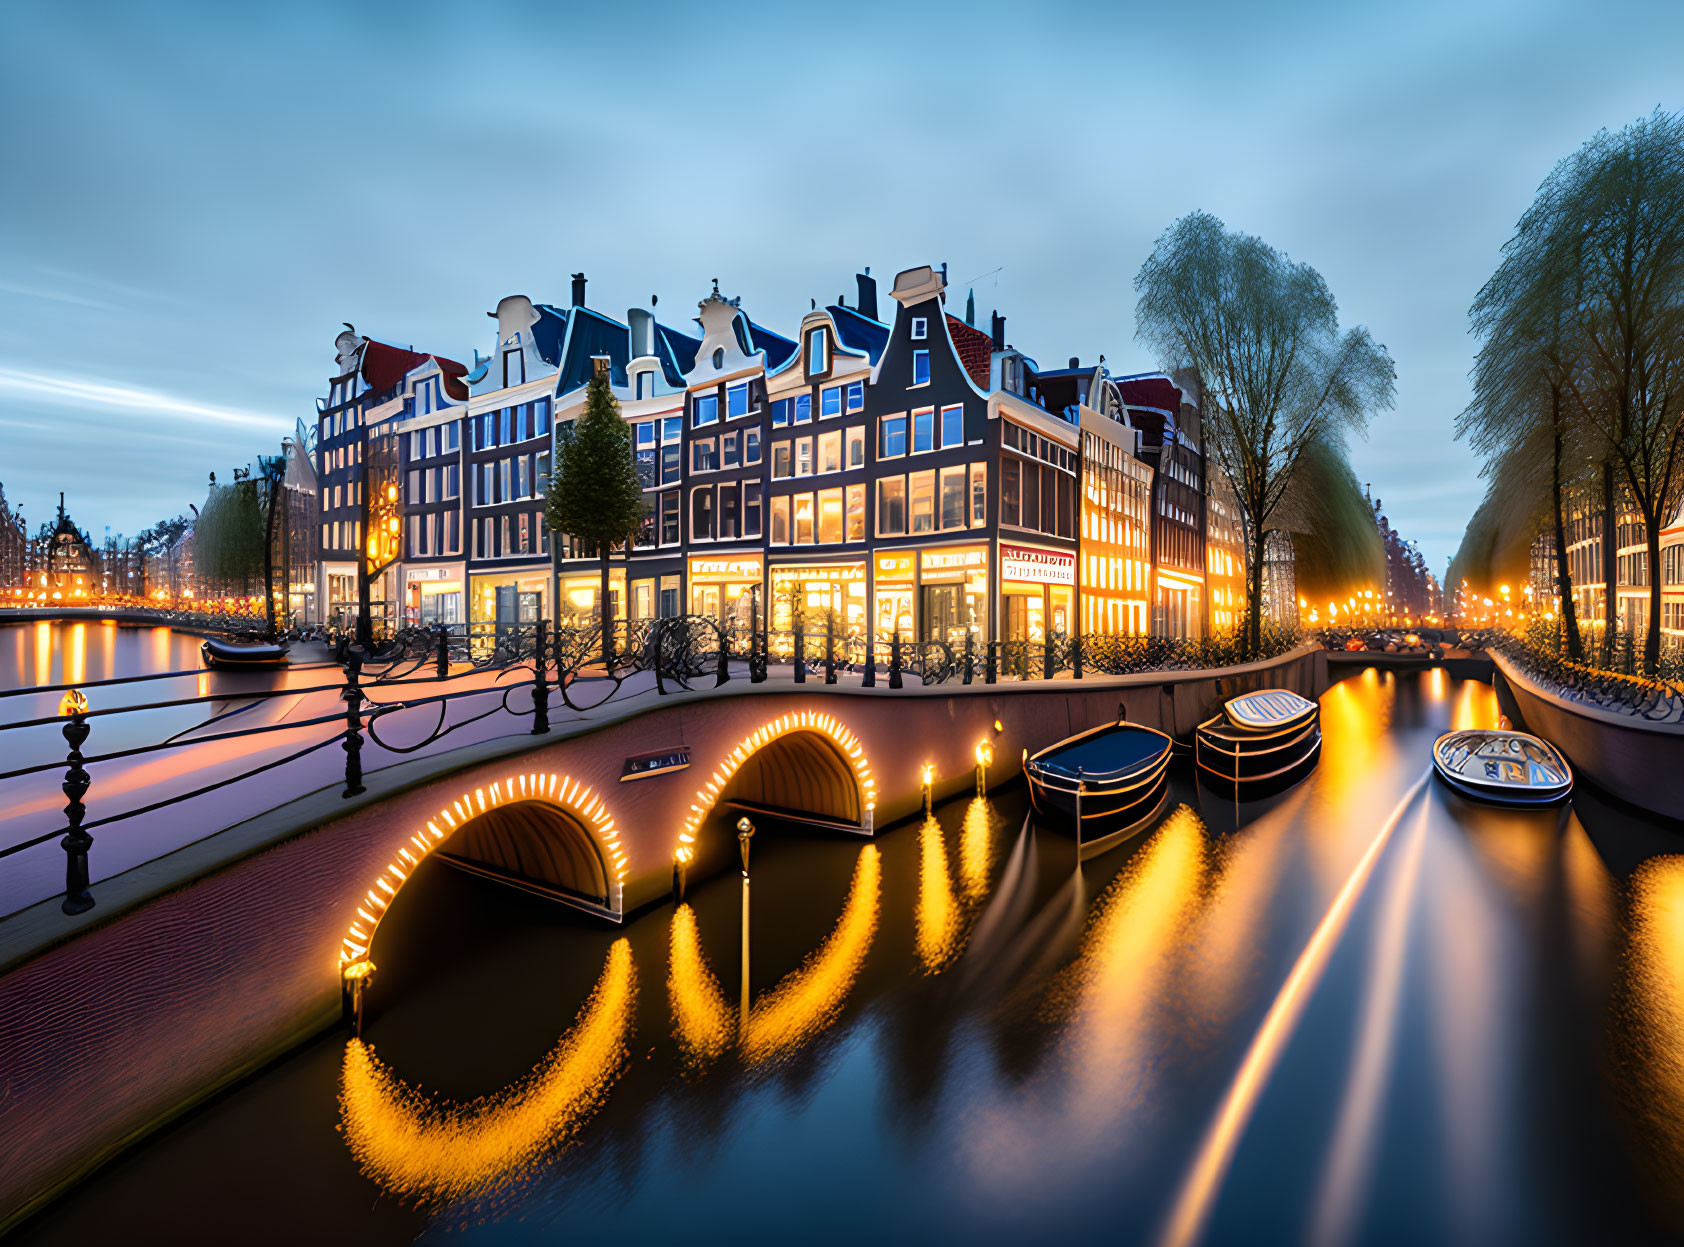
<point>73,702</point>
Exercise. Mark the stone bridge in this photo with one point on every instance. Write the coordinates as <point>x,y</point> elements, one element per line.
<point>201,966</point>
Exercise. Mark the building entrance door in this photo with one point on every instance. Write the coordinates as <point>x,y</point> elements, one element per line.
<point>942,618</point>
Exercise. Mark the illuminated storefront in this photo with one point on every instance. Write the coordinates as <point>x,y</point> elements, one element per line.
<point>1037,592</point>
<point>820,591</point>
<point>654,597</point>
<point>896,585</point>
<point>580,591</point>
<point>1177,605</point>
<point>433,595</point>
<point>1116,558</point>
<point>511,598</point>
<point>727,588</point>
<point>953,594</point>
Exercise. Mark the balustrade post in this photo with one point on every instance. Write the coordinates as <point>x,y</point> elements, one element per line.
<point>869,678</point>
<point>894,659</point>
<point>1047,659</point>
<point>830,648</point>
<point>76,842</point>
<point>800,650</point>
<point>353,696</point>
<point>541,681</point>
<point>441,659</point>
<point>970,655</point>
<point>759,650</point>
<point>989,659</point>
<point>1076,655</point>
<point>724,675</point>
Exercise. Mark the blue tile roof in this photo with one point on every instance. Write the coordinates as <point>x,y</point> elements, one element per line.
<point>591,333</point>
<point>859,332</point>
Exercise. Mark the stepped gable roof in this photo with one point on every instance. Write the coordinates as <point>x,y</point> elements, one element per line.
<point>384,366</point>
<point>975,348</point>
<point>858,332</point>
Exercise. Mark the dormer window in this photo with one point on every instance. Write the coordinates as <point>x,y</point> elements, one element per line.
<point>818,353</point>
<point>514,368</point>
<point>645,384</point>
<point>920,328</point>
<point>718,357</point>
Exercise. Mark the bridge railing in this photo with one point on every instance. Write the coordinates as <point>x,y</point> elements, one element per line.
<point>517,670</point>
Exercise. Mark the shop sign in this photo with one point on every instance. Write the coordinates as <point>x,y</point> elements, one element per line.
<point>954,560</point>
<point>725,569</point>
<point>894,567</point>
<point>429,573</point>
<point>1042,567</point>
<point>823,571</point>
<point>643,765</point>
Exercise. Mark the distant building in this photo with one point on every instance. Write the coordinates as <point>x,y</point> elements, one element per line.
<point>14,547</point>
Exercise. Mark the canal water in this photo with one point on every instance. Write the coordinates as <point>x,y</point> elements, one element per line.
<point>1362,1011</point>
<point>36,654</point>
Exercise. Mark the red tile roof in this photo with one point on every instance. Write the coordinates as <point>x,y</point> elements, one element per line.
<point>976,349</point>
<point>385,366</point>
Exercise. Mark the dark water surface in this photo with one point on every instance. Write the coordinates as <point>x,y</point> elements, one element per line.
<point>1363,1011</point>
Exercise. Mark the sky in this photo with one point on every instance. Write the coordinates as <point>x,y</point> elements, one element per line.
<point>198,196</point>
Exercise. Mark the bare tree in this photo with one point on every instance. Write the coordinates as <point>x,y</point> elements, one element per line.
<point>1279,376</point>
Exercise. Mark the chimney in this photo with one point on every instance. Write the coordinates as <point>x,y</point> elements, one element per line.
<point>999,332</point>
<point>1075,361</point>
<point>867,303</point>
<point>578,290</point>
<point>641,323</point>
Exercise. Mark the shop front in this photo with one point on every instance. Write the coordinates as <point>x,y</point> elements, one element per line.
<point>727,588</point>
<point>432,595</point>
<point>953,594</point>
<point>654,596</point>
<point>510,598</point>
<point>820,592</point>
<point>1037,593</point>
<point>1177,605</point>
<point>339,586</point>
<point>894,590</point>
<point>580,591</point>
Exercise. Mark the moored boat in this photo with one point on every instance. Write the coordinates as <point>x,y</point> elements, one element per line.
<point>1262,742</point>
<point>1511,768</point>
<point>1102,785</point>
<point>242,656</point>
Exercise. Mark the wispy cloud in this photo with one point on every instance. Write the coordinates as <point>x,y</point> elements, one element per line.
<point>88,393</point>
<point>56,296</point>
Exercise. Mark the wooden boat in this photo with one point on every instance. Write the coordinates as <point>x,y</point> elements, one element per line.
<point>1511,768</point>
<point>1101,785</point>
<point>242,656</point>
<point>1262,742</point>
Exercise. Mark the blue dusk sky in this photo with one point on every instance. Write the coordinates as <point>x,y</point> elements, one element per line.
<point>198,196</point>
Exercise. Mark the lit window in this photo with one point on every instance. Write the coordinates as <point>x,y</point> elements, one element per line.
<point>830,517</point>
<point>856,513</point>
<point>801,509</point>
<point>952,498</point>
<point>856,447</point>
<point>830,451</point>
<point>922,488</point>
<point>891,506</point>
<point>803,456</point>
<point>920,368</point>
<point>782,459</point>
<point>979,495</point>
<point>780,521</point>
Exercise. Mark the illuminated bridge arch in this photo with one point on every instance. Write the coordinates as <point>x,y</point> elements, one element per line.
<point>830,776</point>
<point>542,823</point>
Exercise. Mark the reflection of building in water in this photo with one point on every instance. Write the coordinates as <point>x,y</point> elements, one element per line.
<point>422,1149</point>
<point>1653,1018</point>
<point>803,1003</point>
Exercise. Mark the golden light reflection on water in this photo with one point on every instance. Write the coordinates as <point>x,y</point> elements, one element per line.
<point>43,653</point>
<point>701,1017</point>
<point>802,1004</point>
<point>938,916</point>
<point>1355,718</point>
<point>809,999</point>
<point>1654,1015</point>
<point>976,849</point>
<point>1476,708</point>
<point>1113,1034</point>
<point>1198,1193</point>
<point>430,1151</point>
<point>76,655</point>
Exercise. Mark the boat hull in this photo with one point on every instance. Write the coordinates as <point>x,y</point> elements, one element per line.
<point>226,656</point>
<point>1247,762</point>
<point>1101,786</point>
<point>1504,768</point>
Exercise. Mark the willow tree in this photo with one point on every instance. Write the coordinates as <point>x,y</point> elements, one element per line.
<point>1279,377</point>
<point>1604,242</point>
<point>595,495</point>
